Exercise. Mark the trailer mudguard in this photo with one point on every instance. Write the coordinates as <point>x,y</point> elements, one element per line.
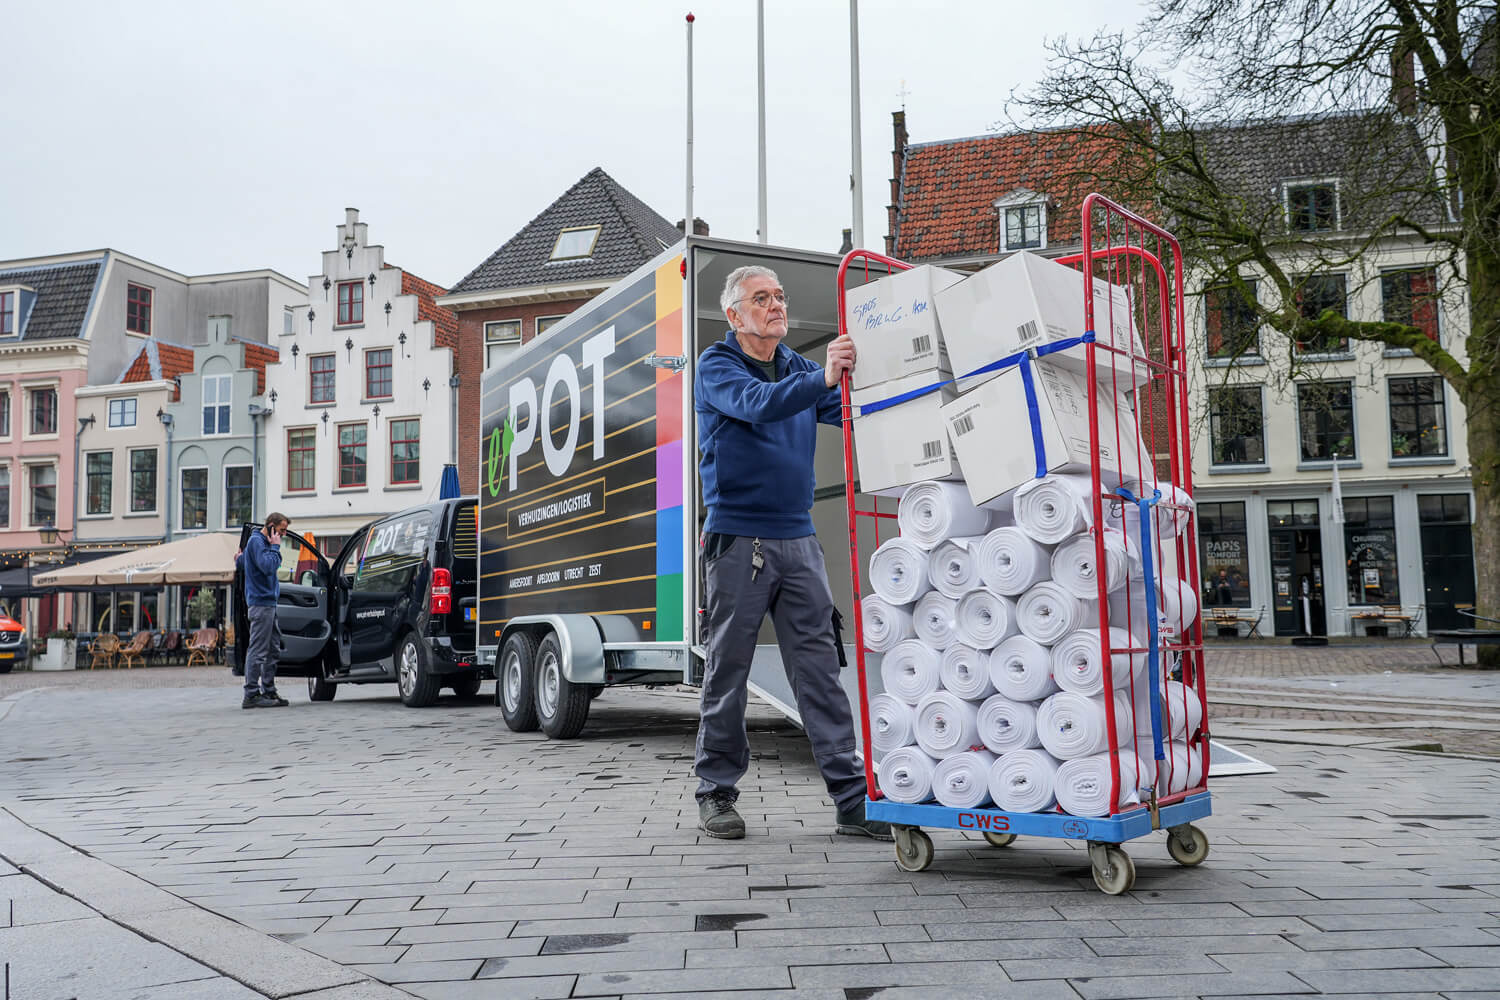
<point>577,636</point>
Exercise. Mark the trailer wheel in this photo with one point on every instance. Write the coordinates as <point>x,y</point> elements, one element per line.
<point>465,686</point>
<point>515,682</point>
<point>562,707</point>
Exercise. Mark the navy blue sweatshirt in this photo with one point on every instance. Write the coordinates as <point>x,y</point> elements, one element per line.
<point>262,559</point>
<point>756,439</point>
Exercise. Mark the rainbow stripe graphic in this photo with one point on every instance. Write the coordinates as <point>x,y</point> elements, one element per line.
<point>670,558</point>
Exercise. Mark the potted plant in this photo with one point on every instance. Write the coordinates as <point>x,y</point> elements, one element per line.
<point>202,607</point>
<point>62,651</point>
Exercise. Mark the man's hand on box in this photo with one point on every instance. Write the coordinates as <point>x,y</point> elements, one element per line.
<point>840,360</point>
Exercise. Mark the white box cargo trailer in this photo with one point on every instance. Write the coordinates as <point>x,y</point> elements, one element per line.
<point>590,507</point>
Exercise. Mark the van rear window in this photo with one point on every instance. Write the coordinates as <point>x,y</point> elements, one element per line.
<point>466,532</point>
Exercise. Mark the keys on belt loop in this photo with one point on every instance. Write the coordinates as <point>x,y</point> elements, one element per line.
<point>756,559</point>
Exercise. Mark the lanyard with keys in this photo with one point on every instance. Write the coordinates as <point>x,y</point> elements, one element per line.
<point>756,559</point>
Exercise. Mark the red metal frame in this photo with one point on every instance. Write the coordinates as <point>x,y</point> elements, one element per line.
<point>1128,250</point>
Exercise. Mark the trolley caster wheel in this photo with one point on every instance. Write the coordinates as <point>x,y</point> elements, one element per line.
<point>1187,844</point>
<point>1114,873</point>
<point>914,851</point>
<point>1000,839</point>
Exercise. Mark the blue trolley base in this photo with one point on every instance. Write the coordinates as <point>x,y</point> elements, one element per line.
<point>1111,829</point>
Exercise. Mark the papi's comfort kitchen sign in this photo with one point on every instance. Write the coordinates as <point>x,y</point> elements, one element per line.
<point>570,470</point>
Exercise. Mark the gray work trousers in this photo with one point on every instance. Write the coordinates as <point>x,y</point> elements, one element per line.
<point>265,649</point>
<point>793,587</point>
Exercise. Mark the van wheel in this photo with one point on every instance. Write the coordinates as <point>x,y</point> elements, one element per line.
<point>562,707</point>
<point>419,687</point>
<point>465,685</point>
<point>515,682</point>
<point>320,690</point>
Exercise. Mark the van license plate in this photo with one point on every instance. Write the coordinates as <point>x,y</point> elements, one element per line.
<point>468,614</point>
<point>7,656</point>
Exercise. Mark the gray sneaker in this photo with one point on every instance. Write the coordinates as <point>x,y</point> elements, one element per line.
<point>854,824</point>
<point>718,818</point>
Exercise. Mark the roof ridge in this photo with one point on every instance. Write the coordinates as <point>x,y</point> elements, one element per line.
<point>631,228</point>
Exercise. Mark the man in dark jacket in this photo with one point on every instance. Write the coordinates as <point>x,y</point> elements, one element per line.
<point>260,561</point>
<point>758,405</point>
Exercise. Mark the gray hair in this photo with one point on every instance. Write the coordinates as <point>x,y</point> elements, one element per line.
<point>737,277</point>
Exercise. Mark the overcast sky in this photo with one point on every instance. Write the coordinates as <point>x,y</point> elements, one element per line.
<point>226,136</point>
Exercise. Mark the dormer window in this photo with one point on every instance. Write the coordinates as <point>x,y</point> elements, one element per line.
<point>575,243</point>
<point>7,314</point>
<point>1312,207</point>
<point>1023,221</point>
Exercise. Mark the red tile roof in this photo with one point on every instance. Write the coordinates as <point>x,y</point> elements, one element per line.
<point>949,189</point>
<point>171,360</point>
<point>257,356</point>
<point>444,321</point>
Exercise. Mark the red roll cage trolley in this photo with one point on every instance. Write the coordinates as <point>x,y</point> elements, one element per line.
<point>1126,250</point>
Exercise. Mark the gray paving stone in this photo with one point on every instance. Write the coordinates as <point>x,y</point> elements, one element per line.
<point>483,947</point>
<point>899,974</point>
<point>1396,980</point>
<point>102,957</point>
<point>24,900</point>
<point>1043,927</point>
<point>419,972</point>
<point>1482,957</point>
<point>1363,958</point>
<point>217,988</point>
<point>1193,985</point>
<point>1415,937</point>
<point>377,919</point>
<point>681,981</point>
<point>789,955</point>
<point>367,990</point>
<point>1191,944</point>
<point>1095,967</point>
<point>582,962</point>
<point>988,949</point>
<point>546,988</point>
<point>753,936</point>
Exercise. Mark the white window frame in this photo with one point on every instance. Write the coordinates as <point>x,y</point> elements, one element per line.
<point>217,380</point>
<point>27,466</point>
<point>597,229</point>
<point>10,489</point>
<point>130,482</point>
<point>26,408</point>
<point>87,514</point>
<point>1019,199</point>
<point>1338,203</point>
<point>509,340</point>
<point>14,291</point>
<point>1327,463</point>
<point>208,506</point>
<point>224,489</point>
<point>288,321</point>
<point>549,320</point>
<point>109,412</point>
<point>9,425</point>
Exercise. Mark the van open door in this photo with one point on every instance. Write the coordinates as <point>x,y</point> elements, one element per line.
<point>301,610</point>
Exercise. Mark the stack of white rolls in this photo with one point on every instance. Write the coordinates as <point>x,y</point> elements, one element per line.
<point>993,664</point>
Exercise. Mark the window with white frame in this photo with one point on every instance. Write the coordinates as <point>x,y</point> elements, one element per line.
<point>1312,207</point>
<point>545,323</point>
<point>501,337</point>
<point>143,480</point>
<point>7,314</point>
<point>41,496</point>
<point>4,413</point>
<point>239,483</point>
<point>42,411</point>
<point>353,467</point>
<point>98,482</point>
<point>1023,227</point>
<point>218,392</point>
<point>286,322</point>
<point>195,498</point>
<point>4,494</point>
<point>122,412</point>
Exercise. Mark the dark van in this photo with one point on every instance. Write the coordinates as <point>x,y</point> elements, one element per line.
<point>397,603</point>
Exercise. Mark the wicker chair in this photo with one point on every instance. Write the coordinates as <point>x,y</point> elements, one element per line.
<point>134,654</point>
<point>172,645</point>
<point>202,646</point>
<point>103,650</point>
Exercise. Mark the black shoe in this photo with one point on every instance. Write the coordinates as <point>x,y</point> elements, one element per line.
<point>855,824</point>
<point>717,817</point>
<point>276,699</point>
<point>254,699</point>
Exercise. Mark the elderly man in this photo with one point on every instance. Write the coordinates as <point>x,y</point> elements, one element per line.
<point>758,405</point>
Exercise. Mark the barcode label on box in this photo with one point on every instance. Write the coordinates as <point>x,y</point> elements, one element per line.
<point>932,449</point>
<point>922,344</point>
<point>1028,331</point>
<point>963,424</point>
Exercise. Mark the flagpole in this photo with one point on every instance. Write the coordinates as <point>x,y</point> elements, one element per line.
<point>760,104</point>
<point>687,219</point>
<point>855,172</point>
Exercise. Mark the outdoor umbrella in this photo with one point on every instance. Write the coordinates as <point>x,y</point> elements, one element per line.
<point>17,583</point>
<point>206,558</point>
<point>448,488</point>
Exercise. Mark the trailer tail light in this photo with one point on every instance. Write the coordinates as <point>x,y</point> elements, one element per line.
<point>442,592</point>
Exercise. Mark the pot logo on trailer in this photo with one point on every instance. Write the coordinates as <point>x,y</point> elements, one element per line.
<point>519,433</point>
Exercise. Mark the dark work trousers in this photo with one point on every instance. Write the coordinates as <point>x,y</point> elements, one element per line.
<point>793,587</point>
<point>265,649</point>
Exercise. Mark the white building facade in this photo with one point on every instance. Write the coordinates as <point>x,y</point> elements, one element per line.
<point>362,410</point>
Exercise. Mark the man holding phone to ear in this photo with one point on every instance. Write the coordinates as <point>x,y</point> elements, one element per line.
<point>262,558</point>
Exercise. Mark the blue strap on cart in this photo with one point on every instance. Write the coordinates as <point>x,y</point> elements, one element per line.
<point>1020,359</point>
<point>1153,642</point>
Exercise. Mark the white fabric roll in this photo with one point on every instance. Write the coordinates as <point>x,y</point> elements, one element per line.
<point>1127,610</point>
<point>1183,769</point>
<point>1022,781</point>
<point>1179,601</point>
<point>905,775</point>
<point>891,721</point>
<point>953,567</point>
<point>985,619</point>
<point>1047,612</point>
<point>933,620</point>
<point>1053,508</point>
<point>1074,725</point>
<point>910,670</point>
<point>946,724</point>
<point>1082,785</point>
<point>1169,523</point>
<point>1006,725</point>
<point>898,571</point>
<point>1181,709</point>
<point>1021,669</point>
<point>962,781</point>
<point>1073,563</point>
<point>933,512</point>
<point>1078,661</point>
<point>1011,563</point>
<point>884,623</point>
<point>966,672</point>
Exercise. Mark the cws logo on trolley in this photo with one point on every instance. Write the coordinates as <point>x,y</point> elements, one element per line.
<point>568,469</point>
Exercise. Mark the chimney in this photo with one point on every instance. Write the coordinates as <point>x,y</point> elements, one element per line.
<point>848,243</point>
<point>898,162</point>
<point>1404,80</point>
<point>700,228</point>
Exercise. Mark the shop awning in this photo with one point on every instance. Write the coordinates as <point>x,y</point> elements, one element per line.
<point>206,558</point>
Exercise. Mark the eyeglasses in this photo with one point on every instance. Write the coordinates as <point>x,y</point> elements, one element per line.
<point>763,299</point>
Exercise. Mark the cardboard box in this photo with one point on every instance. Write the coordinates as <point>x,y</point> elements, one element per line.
<point>1025,301</point>
<point>991,432</point>
<point>907,443</point>
<point>895,325</point>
